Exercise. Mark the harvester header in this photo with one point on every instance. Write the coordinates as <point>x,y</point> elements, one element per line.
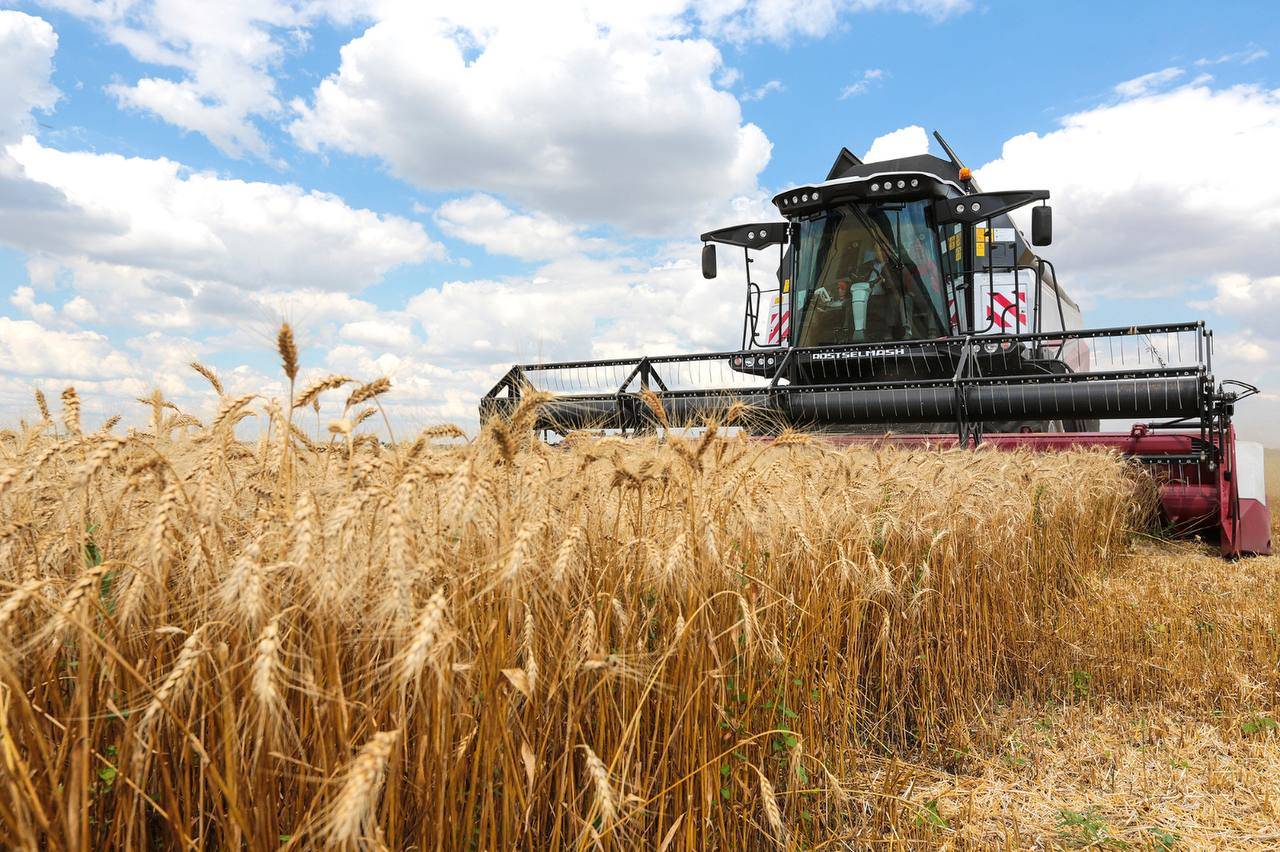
<point>903,303</point>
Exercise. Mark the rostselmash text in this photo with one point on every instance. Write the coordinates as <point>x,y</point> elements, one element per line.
<point>858,353</point>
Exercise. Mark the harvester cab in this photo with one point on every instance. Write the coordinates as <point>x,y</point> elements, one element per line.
<point>895,252</point>
<point>897,301</point>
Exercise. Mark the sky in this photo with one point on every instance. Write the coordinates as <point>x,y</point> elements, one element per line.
<point>435,191</point>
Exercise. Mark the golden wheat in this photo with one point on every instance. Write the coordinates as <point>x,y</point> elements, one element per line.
<point>712,641</point>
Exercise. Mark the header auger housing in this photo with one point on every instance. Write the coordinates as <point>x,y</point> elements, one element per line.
<point>908,307</point>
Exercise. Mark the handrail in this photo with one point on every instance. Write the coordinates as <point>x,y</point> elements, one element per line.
<point>1028,337</point>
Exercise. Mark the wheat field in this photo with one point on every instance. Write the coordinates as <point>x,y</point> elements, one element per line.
<point>331,639</point>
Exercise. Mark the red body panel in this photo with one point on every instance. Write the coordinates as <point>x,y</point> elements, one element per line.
<point>1195,497</point>
<point>1255,528</point>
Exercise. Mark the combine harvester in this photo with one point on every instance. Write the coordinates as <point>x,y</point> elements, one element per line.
<point>908,307</point>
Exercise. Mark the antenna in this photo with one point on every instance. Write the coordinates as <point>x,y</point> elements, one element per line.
<point>955,161</point>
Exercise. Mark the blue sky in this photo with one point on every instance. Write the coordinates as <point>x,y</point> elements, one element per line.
<point>435,193</point>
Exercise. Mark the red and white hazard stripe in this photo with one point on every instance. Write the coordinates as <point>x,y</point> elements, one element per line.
<point>779,323</point>
<point>1009,317</point>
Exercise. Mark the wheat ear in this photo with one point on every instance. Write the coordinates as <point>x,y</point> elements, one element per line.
<point>605,798</point>
<point>266,668</point>
<point>772,813</point>
<point>71,411</point>
<point>426,632</point>
<point>354,810</point>
<point>209,375</point>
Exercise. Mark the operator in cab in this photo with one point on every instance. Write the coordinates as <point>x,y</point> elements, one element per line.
<point>875,279</point>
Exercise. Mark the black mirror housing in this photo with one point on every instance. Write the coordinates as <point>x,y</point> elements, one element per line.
<point>709,260</point>
<point>1041,225</point>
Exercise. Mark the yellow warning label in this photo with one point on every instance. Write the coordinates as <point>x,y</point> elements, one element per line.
<point>980,241</point>
<point>954,244</point>
<point>786,286</point>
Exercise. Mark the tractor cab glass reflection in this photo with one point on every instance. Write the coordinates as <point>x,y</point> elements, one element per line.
<point>870,274</point>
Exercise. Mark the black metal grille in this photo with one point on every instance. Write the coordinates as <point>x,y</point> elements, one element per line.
<point>1155,371</point>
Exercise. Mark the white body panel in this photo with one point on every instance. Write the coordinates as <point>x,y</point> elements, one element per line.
<point>1251,474</point>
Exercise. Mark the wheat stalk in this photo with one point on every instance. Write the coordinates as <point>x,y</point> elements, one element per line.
<point>71,411</point>
<point>312,392</point>
<point>100,456</point>
<point>193,649</point>
<point>600,591</point>
<point>522,550</point>
<point>444,430</point>
<point>772,813</point>
<point>606,800</point>
<point>353,813</point>
<point>86,584</point>
<point>267,667</point>
<point>368,391</point>
<point>43,405</point>
<point>287,348</point>
<point>229,410</point>
<point>526,646</point>
<point>209,375</point>
<point>305,529</point>
<point>243,592</point>
<point>587,634</point>
<point>425,634</point>
<point>568,554</point>
<point>20,596</point>
<point>654,403</point>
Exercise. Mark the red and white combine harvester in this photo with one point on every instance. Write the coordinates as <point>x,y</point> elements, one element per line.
<point>909,307</point>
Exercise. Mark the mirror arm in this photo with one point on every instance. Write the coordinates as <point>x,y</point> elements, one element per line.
<point>989,205</point>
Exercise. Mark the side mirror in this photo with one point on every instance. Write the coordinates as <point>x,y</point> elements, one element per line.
<point>1041,225</point>
<point>709,260</point>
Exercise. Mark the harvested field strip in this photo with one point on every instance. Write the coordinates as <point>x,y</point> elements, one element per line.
<point>499,644</point>
<point>1195,765</point>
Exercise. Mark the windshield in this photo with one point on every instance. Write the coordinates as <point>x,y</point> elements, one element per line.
<point>870,274</point>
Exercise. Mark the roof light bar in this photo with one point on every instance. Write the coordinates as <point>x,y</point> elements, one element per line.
<point>796,201</point>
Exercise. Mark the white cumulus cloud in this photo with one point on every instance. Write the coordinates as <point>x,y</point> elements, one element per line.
<point>870,77</point>
<point>1158,193</point>
<point>1147,83</point>
<point>202,263</point>
<point>1163,196</point>
<point>29,349</point>
<point>549,106</point>
<point>763,91</point>
<point>223,54</point>
<point>582,307</point>
<point>904,142</point>
<point>216,65</point>
<point>27,45</point>
<point>485,221</point>
<point>156,214</point>
<point>783,20</point>
<point>1252,53</point>
<point>382,332</point>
